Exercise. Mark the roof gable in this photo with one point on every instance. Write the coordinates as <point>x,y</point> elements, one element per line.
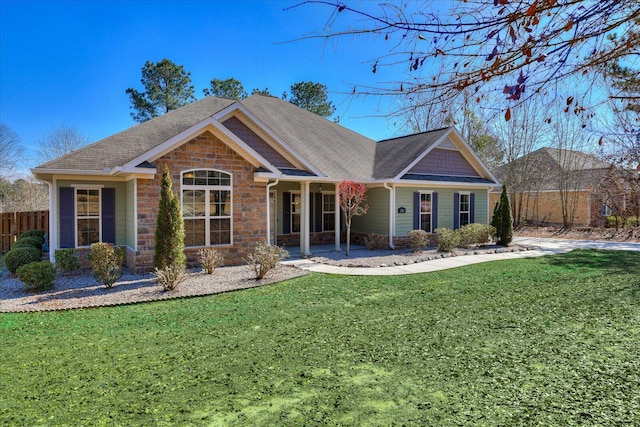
<point>440,152</point>
<point>119,149</point>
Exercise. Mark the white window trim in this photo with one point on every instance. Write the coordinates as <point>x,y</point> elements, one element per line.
<point>430,212</point>
<point>207,205</point>
<point>292,213</point>
<point>333,212</point>
<point>460,211</point>
<point>78,217</point>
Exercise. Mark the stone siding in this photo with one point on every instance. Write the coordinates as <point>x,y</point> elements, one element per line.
<point>248,199</point>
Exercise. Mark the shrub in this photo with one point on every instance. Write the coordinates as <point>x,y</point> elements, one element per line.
<point>265,257</point>
<point>209,259</point>
<point>36,242</point>
<point>418,240</point>
<point>502,219</point>
<point>447,239</point>
<point>472,234</point>
<point>170,276</point>
<point>33,233</point>
<point>24,245</point>
<point>37,275</point>
<point>17,257</point>
<point>106,263</point>
<point>67,261</point>
<point>169,236</point>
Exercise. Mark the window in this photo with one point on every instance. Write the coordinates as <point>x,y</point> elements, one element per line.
<point>87,216</point>
<point>465,209</point>
<point>425,212</point>
<point>328,211</point>
<point>295,212</point>
<point>206,207</point>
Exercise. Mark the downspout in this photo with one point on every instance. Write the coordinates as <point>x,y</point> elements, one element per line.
<point>53,219</point>
<point>392,217</point>
<point>269,210</point>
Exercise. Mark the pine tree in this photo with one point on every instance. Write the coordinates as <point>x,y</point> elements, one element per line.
<point>502,219</point>
<point>170,227</point>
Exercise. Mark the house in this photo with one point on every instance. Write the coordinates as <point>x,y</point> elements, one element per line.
<point>549,181</point>
<point>260,169</point>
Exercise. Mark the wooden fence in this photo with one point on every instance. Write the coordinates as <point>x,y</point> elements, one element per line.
<point>12,224</point>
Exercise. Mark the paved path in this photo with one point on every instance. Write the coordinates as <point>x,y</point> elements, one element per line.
<point>545,247</point>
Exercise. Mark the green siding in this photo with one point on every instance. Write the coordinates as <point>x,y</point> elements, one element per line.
<point>376,220</point>
<point>404,198</point>
<point>121,219</point>
<point>293,186</point>
<point>131,218</point>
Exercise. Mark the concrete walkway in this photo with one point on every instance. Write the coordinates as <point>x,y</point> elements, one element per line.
<point>544,247</point>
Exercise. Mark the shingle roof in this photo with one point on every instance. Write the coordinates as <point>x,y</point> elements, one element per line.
<point>334,150</point>
<point>118,149</point>
<point>543,165</point>
<point>393,155</point>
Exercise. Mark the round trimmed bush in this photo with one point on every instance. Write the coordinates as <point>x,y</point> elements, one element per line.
<point>37,275</point>
<point>33,233</point>
<point>36,242</point>
<point>17,257</point>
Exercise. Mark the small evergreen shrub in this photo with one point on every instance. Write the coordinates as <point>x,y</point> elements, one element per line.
<point>106,263</point>
<point>17,257</point>
<point>502,219</point>
<point>33,233</point>
<point>210,259</point>
<point>170,276</point>
<point>67,261</point>
<point>37,275</point>
<point>24,245</point>
<point>447,239</point>
<point>418,240</point>
<point>169,236</point>
<point>265,257</point>
<point>36,242</point>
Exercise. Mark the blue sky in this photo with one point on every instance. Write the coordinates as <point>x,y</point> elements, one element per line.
<point>70,62</point>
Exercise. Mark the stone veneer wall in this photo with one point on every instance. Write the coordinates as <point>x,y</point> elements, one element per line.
<point>249,205</point>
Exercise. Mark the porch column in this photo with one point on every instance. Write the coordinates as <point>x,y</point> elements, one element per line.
<point>305,204</point>
<point>337,218</point>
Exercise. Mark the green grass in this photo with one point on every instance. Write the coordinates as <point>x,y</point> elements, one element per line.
<point>545,341</point>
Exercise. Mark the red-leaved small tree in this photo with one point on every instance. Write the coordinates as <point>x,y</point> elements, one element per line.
<point>352,198</point>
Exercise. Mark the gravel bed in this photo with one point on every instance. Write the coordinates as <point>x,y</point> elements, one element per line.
<point>83,291</point>
<point>386,258</point>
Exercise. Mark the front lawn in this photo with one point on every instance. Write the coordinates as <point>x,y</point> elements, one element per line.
<point>543,341</point>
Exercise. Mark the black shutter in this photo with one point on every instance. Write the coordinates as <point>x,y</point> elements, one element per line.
<point>456,211</point>
<point>434,211</point>
<point>472,208</point>
<point>286,208</point>
<point>318,212</point>
<point>67,206</point>
<point>416,210</point>
<point>109,215</point>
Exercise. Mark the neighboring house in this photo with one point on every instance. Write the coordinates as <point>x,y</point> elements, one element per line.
<point>260,169</point>
<point>548,179</point>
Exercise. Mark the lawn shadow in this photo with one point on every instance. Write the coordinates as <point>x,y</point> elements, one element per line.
<point>614,261</point>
